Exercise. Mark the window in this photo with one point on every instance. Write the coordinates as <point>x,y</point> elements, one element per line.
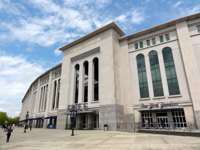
<point>170,72</point>
<point>58,95</point>
<point>54,94</point>
<point>155,74</point>
<point>179,118</point>
<point>136,45</point>
<point>167,37</point>
<point>142,76</point>
<point>198,28</point>
<point>147,121</point>
<point>96,79</point>
<point>76,82</point>
<point>148,42</point>
<point>141,44</point>
<point>153,40</point>
<point>161,39</point>
<point>85,64</point>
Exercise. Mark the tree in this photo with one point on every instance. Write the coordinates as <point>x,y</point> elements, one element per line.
<point>14,120</point>
<point>3,117</point>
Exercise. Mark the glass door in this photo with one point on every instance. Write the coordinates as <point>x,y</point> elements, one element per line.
<point>85,121</point>
<point>162,120</point>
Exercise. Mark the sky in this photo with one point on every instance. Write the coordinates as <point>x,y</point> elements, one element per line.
<point>31,32</point>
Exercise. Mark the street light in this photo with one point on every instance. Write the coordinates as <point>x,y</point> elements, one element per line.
<point>73,114</point>
<point>26,124</point>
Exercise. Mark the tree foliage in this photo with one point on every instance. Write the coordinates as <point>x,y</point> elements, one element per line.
<point>11,120</point>
<point>3,117</point>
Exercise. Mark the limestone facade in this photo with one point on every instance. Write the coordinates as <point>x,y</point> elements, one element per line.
<point>102,71</point>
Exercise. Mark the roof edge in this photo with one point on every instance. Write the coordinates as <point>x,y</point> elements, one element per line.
<point>162,26</point>
<point>43,74</point>
<point>92,34</point>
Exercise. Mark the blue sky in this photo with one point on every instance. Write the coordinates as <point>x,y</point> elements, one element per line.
<point>31,31</point>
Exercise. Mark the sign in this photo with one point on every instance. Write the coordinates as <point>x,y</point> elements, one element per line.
<point>86,44</point>
<point>78,107</point>
<point>159,105</point>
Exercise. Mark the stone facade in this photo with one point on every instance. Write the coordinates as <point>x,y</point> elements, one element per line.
<point>100,70</point>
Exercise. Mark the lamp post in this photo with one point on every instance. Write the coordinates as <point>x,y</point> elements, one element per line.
<point>26,123</point>
<point>73,114</point>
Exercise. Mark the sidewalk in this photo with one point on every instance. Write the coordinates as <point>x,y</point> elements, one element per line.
<point>50,139</point>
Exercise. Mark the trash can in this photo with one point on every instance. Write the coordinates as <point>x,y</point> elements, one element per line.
<point>105,127</point>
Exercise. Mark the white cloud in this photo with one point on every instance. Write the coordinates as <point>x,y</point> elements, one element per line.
<point>195,9</point>
<point>16,75</point>
<point>182,9</point>
<point>4,102</point>
<point>57,52</point>
<point>56,22</point>
<point>121,18</point>
<point>137,17</point>
<point>177,4</point>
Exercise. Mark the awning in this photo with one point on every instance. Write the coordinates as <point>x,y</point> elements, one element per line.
<point>154,109</point>
<point>38,118</point>
<point>48,117</point>
<point>86,112</point>
<point>26,119</point>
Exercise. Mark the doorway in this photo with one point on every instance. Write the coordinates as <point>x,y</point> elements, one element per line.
<point>162,120</point>
<point>84,121</point>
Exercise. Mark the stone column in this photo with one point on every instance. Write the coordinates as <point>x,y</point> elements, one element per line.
<point>72,86</point>
<point>149,78</point>
<point>90,82</point>
<point>190,67</point>
<point>62,120</point>
<point>163,74</point>
<point>81,84</point>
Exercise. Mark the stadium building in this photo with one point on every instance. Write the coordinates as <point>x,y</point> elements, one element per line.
<point>147,79</point>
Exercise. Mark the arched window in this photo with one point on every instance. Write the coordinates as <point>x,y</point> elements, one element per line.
<point>155,74</point>
<point>58,94</point>
<point>142,76</point>
<point>170,70</point>
<point>45,100</point>
<point>96,79</point>
<point>54,94</point>
<point>41,96</point>
<point>85,64</point>
<point>76,82</point>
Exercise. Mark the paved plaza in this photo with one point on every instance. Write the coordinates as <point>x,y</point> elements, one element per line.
<point>50,139</point>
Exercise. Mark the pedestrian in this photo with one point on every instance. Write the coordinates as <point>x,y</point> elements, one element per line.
<point>9,130</point>
<point>30,127</point>
<point>25,127</point>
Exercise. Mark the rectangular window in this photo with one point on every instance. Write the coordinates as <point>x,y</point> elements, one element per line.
<point>161,38</point>
<point>153,40</point>
<point>179,118</point>
<point>141,44</point>
<point>136,45</point>
<point>147,121</point>
<point>148,42</point>
<point>167,37</point>
<point>198,28</point>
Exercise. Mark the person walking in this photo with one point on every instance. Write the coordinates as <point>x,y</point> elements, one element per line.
<point>9,131</point>
<point>30,127</point>
<point>25,128</point>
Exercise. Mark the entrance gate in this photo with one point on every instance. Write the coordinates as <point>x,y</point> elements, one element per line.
<point>162,120</point>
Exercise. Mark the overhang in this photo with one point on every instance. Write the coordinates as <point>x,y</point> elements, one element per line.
<point>160,27</point>
<point>155,109</point>
<point>94,33</point>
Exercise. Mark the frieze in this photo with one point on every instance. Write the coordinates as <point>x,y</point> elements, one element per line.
<point>85,44</point>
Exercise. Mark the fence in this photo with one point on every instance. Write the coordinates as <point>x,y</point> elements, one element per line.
<point>141,127</point>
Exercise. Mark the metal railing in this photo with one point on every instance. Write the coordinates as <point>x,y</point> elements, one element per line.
<point>170,126</point>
